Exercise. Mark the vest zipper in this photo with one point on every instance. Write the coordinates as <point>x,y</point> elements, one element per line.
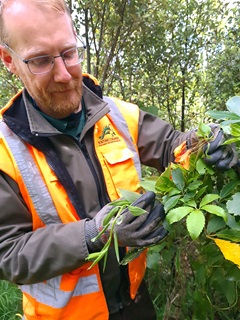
<point>92,169</point>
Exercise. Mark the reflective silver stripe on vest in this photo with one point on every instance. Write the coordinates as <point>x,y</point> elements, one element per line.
<point>31,176</point>
<point>50,293</point>
<point>122,127</point>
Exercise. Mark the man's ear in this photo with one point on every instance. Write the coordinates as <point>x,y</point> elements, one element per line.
<point>7,59</point>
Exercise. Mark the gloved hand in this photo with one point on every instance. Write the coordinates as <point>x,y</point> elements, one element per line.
<point>223,157</point>
<point>131,231</point>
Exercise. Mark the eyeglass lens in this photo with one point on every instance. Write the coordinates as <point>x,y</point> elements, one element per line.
<point>45,63</point>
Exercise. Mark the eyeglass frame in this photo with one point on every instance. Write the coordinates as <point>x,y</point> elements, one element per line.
<point>26,61</point>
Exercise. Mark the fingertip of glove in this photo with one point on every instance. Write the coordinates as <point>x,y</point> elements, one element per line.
<point>146,198</point>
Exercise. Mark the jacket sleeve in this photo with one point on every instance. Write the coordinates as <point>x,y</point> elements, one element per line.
<point>24,254</point>
<point>157,140</point>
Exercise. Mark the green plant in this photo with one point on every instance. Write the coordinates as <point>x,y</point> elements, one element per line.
<point>187,274</point>
<point>10,301</point>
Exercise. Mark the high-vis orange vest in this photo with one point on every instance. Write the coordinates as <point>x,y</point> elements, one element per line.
<point>73,295</point>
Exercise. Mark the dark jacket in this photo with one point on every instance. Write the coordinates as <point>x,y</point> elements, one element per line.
<point>29,257</point>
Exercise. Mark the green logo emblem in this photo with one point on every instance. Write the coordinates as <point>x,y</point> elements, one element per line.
<point>107,130</point>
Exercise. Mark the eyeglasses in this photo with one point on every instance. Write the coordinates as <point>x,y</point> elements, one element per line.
<point>44,64</point>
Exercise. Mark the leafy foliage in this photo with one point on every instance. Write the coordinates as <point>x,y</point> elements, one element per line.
<point>10,301</point>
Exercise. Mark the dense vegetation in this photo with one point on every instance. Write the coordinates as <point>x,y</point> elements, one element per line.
<point>175,59</point>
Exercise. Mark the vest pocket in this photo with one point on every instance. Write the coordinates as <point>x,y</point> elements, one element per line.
<point>118,167</point>
<point>118,155</point>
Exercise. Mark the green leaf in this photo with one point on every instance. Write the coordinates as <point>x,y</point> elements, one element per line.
<point>194,185</point>
<point>171,202</point>
<point>203,130</point>
<point>129,196</point>
<point>233,205</point>
<point>136,211</point>
<point>201,166</point>
<point>195,223</point>
<point>200,192</point>
<point>215,223</point>
<point>235,130</point>
<point>232,235</point>
<point>218,211</point>
<point>228,188</point>
<point>208,199</point>
<point>148,184</point>
<point>119,203</point>
<point>232,223</point>
<point>164,184</point>
<point>233,105</point>
<point>191,203</point>
<point>231,140</point>
<point>105,261</point>
<point>173,192</point>
<point>109,216</point>
<point>131,254</point>
<point>178,178</point>
<point>178,214</point>
<point>221,114</point>
<point>116,246</point>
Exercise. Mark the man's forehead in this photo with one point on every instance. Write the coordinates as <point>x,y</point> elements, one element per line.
<point>24,20</point>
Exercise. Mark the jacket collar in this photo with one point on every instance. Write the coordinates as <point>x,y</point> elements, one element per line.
<point>23,111</point>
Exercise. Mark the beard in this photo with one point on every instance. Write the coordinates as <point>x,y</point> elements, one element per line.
<point>60,101</point>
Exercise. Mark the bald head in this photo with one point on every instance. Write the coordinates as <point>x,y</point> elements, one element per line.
<point>18,7</point>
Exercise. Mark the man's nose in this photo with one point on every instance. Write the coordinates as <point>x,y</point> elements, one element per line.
<point>60,71</point>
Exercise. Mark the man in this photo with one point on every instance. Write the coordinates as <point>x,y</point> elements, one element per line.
<point>65,154</point>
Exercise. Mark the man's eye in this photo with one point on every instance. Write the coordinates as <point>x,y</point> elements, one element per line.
<point>70,54</point>
<point>41,61</point>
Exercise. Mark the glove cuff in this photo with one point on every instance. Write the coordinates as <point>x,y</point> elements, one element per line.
<point>90,233</point>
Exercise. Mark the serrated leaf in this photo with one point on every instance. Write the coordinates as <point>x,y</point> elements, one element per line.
<point>195,223</point>
<point>191,203</point>
<point>208,199</point>
<point>178,178</point>
<point>178,214</point>
<point>213,209</point>
<point>232,235</point>
<point>233,105</point>
<point>136,211</point>
<point>233,205</point>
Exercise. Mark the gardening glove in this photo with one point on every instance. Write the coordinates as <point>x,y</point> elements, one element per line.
<point>223,157</point>
<point>131,231</point>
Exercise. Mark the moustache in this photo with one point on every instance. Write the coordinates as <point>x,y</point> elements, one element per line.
<point>62,88</point>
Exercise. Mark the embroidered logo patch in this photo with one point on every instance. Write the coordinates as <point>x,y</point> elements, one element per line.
<point>108,135</point>
<point>106,131</point>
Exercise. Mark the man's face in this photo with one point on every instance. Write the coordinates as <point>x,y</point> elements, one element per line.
<point>33,33</point>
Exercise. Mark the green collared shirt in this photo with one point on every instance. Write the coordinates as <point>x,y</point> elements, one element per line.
<point>71,125</point>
